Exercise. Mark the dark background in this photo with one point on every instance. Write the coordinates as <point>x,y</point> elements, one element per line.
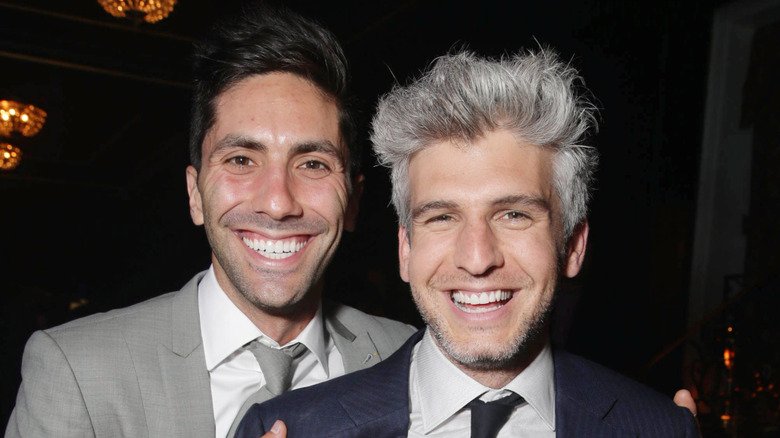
<point>96,216</point>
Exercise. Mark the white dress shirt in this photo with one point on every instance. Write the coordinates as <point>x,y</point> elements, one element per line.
<point>439,391</point>
<point>234,372</point>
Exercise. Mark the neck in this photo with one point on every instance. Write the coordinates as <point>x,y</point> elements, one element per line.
<point>285,326</point>
<point>280,323</point>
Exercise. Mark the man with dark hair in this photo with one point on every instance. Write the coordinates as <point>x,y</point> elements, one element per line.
<point>491,183</point>
<point>274,181</point>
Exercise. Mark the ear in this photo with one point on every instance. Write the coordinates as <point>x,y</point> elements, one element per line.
<point>575,253</point>
<point>403,253</point>
<point>353,203</point>
<point>196,202</point>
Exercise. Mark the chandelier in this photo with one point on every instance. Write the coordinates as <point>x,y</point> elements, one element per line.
<point>10,156</point>
<point>150,11</point>
<point>19,117</point>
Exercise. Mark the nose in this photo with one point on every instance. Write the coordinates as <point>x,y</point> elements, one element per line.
<point>477,249</point>
<point>275,194</point>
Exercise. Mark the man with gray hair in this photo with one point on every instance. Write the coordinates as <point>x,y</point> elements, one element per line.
<point>491,183</point>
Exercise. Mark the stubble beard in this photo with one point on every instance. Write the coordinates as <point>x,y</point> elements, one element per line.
<point>271,295</point>
<point>515,352</point>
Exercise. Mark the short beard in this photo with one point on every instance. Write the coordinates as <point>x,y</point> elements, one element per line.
<point>518,352</point>
<point>262,295</point>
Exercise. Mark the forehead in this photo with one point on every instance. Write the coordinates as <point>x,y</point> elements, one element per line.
<point>493,166</point>
<point>275,108</point>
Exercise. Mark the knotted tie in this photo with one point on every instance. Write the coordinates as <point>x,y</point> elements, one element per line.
<point>488,418</point>
<point>276,366</point>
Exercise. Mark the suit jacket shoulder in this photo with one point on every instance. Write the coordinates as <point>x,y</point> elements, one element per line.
<point>109,374</point>
<point>104,334</point>
<point>593,401</point>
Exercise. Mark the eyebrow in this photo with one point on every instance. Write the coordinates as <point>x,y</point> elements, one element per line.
<point>534,202</point>
<point>322,146</point>
<point>433,205</point>
<point>238,141</point>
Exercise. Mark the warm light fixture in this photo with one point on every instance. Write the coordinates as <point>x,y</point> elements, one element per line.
<point>150,11</point>
<point>10,156</point>
<point>19,117</point>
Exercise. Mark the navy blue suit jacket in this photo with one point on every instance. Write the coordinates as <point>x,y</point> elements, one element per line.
<point>590,401</point>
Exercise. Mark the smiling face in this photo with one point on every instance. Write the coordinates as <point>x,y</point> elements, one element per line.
<point>272,193</point>
<point>482,255</point>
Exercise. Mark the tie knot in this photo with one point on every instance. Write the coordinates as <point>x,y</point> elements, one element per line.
<point>488,418</point>
<point>295,350</point>
<point>511,400</point>
<point>276,364</point>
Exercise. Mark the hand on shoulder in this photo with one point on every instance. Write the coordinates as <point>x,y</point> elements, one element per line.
<point>683,398</point>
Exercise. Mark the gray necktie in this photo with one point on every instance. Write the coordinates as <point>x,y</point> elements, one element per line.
<point>276,366</point>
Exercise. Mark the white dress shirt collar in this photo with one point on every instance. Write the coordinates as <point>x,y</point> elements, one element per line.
<point>444,389</point>
<point>225,328</point>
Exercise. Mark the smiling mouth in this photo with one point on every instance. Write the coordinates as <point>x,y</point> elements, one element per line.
<point>480,302</point>
<point>276,249</point>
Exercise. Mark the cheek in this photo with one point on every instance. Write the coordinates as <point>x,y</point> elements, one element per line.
<point>224,192</point>
<point>328,197</point>
<point>429,255</point>
<point>536,254</point>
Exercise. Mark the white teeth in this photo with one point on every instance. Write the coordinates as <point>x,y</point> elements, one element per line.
<point>496,296</point>
<point>274,250</point>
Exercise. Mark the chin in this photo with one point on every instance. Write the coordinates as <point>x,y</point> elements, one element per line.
<point>477,355</point>
<point>277,305</point>
<point>481,353</point>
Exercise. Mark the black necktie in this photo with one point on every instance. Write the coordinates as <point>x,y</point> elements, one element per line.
<point>488,418</point>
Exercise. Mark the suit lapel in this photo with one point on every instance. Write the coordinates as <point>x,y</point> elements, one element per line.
<point>582,404</point>
<point>357,350</point>
<point>384,410</point>
<point>183,364</point>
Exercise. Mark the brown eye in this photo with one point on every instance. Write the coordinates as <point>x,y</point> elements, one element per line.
<point>515,215</point>
<point>240,161</point>
<point>314,165</point>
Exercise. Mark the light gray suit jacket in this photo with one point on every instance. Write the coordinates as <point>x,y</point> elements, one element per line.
<point>141,371</point>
